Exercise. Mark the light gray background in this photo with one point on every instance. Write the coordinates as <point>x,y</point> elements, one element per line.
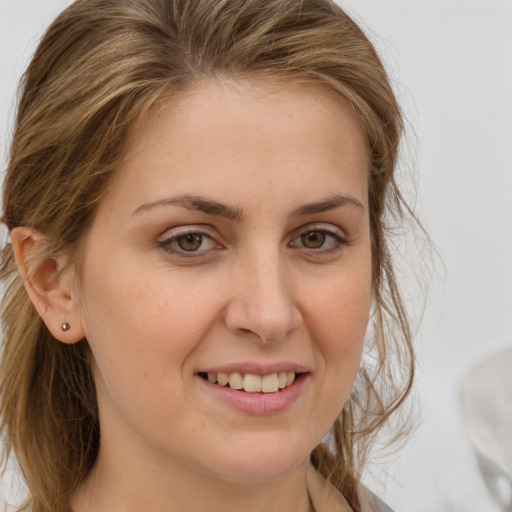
<point>452,65</point>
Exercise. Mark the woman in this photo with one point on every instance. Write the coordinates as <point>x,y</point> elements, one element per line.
<point>197,198</point>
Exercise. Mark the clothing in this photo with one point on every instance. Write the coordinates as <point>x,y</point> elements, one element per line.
<point>326,498</point>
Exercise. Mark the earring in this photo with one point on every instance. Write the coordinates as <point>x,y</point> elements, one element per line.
<point>65,327</point>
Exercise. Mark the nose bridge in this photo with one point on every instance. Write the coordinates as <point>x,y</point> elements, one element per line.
<point>264,301</point>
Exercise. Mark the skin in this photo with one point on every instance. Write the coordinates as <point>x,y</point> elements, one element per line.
<point>254,291</point>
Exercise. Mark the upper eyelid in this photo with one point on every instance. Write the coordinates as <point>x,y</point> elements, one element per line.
<point>208,230</point>
<point>170,235</point>
<point>335,236</point>
<point>327,227</point>
<point>200,229</point>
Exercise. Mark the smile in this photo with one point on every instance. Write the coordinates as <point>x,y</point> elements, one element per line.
<point>252,383</point>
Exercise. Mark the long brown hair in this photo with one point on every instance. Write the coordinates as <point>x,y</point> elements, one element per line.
<point>98,68</point>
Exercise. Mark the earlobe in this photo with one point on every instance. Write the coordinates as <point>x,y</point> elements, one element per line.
<point>47,285</point>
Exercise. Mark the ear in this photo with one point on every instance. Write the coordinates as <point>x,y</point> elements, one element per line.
<point>48,287</point>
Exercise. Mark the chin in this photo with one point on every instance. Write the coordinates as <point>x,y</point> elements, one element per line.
<point>264,458</point>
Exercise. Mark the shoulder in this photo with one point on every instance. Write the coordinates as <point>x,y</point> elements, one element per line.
<point>371,503</point>
<point>326,498</point>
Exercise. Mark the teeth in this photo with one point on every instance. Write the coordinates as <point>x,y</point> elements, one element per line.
<point>222,379</point>
<point>236,381</point>
<point>270,383</point>
<point>251,383</point>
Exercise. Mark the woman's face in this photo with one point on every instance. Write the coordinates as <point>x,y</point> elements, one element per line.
<point>233,245</point>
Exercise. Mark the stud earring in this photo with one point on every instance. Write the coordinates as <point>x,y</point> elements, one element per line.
<point>65,327</point>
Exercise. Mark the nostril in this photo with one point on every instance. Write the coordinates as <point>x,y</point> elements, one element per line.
<point>243,330</point>
<point>266,313</point>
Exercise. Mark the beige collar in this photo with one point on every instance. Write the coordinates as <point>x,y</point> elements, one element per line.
<point>324,496</point>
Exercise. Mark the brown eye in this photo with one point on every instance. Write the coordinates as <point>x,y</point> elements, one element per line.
<point>319,242</point>
<point>313,239</point>
<point>179,242</point>
<point>190,242</point>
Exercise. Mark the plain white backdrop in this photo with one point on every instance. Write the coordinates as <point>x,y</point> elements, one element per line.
<point>451,61</point>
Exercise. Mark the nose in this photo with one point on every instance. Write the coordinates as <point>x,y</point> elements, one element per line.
<point>263,305</point>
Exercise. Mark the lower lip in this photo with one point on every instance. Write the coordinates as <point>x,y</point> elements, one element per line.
<point>258,403</point>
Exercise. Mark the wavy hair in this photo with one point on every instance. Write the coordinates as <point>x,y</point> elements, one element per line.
<point>100,66</point>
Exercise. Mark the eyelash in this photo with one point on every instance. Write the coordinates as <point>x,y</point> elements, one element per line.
<point>167,243</point>
<point>338,241</point>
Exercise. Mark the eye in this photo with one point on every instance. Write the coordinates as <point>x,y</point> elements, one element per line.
<point>318,239</point>
<point>313,239</point>
<point>189,242</point>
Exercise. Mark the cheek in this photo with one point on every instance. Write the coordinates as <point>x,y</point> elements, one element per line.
<point>140,321</point>
<point>339,312</point>
<point>338,320</point>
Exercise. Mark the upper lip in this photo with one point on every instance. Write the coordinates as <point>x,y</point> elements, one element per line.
<point>256,368</point>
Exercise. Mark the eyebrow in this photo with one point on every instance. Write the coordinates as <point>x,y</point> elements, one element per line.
<point>331,203</point>
<point>212,207</point>
<point>198,203</point>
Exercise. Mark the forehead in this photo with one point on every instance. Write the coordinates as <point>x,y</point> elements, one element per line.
<point>231,135</point>
<point>256,105</point>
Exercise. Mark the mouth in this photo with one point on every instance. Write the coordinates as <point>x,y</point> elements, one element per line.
<point>252,383</point>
